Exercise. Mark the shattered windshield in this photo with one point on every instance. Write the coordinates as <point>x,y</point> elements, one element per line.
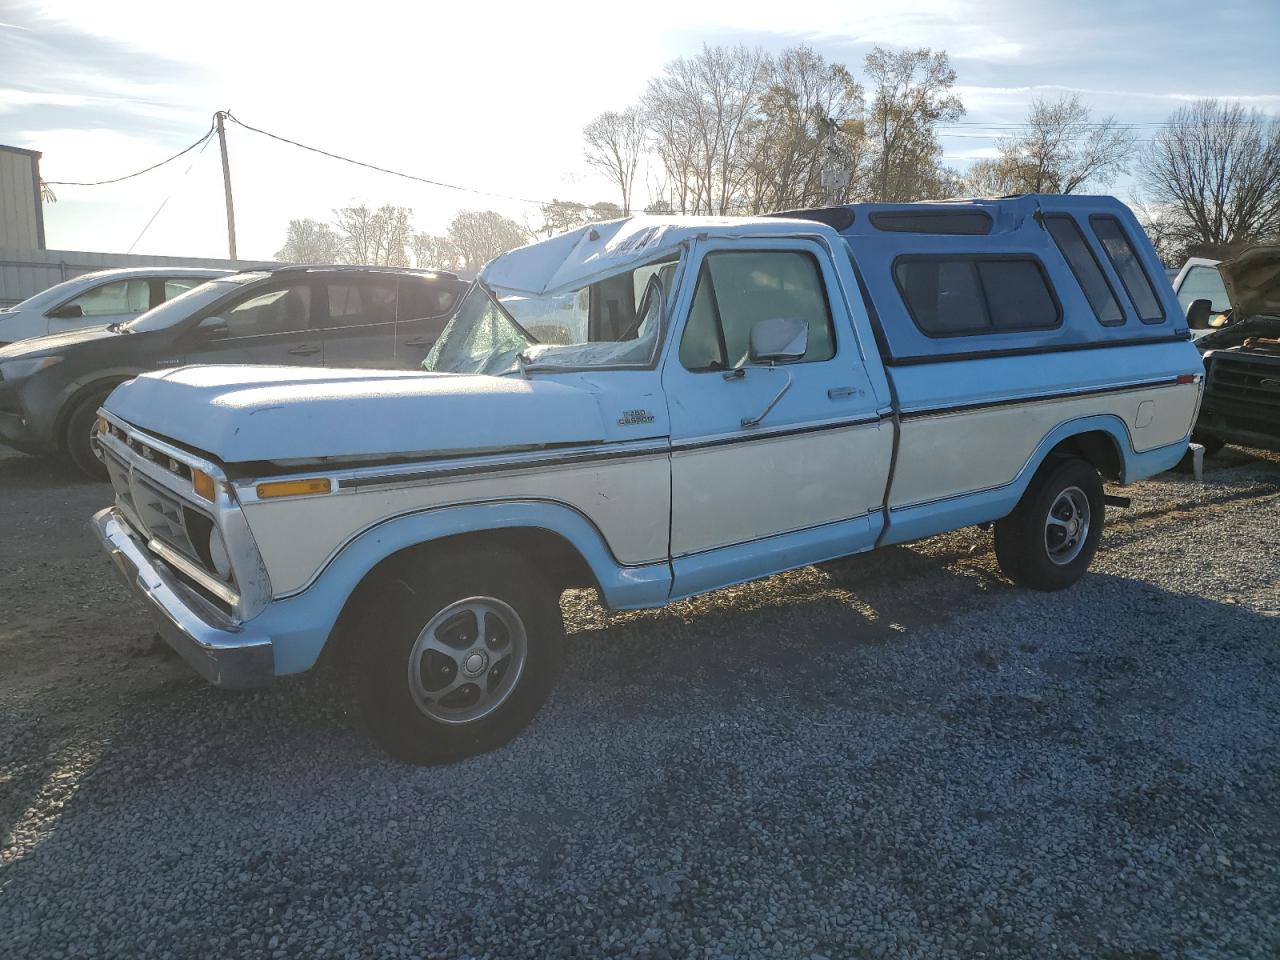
<point>613,322</point>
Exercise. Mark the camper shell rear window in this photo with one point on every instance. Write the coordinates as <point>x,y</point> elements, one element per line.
<point>1085,268</point>
<point>1124,259</point>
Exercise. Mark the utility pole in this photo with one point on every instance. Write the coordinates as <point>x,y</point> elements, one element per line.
<point>226,183</point>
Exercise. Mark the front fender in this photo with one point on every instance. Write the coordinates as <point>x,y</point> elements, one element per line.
<point>301,623</point>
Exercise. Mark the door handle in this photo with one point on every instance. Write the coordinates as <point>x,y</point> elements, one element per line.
<point>418,342</point>
<point>304,350</point>
<point>841,393</point>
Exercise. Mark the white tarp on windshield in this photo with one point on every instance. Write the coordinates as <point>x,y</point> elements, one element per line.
<point>583,256</point>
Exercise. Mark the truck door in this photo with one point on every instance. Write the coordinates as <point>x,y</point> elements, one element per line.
<point>772,466</point>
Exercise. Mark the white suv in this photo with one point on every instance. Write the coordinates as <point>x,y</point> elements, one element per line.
<point>99,298</point>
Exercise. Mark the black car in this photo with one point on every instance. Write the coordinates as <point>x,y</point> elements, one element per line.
<point>339,316</point>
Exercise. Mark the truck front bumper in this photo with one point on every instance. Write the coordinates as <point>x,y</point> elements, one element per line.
<point>222,652</point>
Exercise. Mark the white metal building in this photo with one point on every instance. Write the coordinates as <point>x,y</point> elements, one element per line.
<point>21,214</point>
<point>26,266</point>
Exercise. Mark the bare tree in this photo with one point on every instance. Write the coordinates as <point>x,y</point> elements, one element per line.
<point>700,110</point>
<point>1212,175</point>
<point>374,237</point>
<point>911,96</point>
<point>435,253</point>
<point>309,241</point>
<point>615,143</point>
<point>480,235</point>
<point>1062,150</point>
<point>809,120</point>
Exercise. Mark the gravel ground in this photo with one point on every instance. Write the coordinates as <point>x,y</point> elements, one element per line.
<point>897,755</point>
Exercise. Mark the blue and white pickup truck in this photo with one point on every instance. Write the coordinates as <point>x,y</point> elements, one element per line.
<point>654,407</point>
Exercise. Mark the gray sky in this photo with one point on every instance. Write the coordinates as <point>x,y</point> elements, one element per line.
<point>494,96</point>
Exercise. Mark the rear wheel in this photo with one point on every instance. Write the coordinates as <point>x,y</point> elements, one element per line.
<point>457,653</point>
<point>78,438</point>
<point>1050,538</point>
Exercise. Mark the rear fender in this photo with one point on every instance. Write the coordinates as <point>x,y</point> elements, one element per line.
<point>983,506</point>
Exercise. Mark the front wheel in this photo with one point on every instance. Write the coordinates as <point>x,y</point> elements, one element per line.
<point>78,441</point>
<point>458,651</point>
<point>1050,538</point>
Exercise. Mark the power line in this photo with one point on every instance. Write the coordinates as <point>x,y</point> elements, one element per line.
<point>372,166</point>
<point>129,176</point>
<point>165,201</point>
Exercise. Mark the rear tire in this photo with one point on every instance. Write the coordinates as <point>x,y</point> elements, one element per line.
<point>1049,539</point>
<point>77,439</point>
<point>457,652</point>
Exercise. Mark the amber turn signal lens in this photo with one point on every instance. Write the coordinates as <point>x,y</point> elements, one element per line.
<point>204,485</point>
<point>102,424</point>
<point>293,488</point>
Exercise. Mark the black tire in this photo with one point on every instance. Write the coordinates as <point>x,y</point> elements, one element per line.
<point>1025,545</point>
<point>398,610</point>
<point>75,440</point>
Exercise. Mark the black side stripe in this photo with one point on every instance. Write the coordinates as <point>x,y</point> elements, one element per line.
<point>1037,398</point>
<point>506,466</point>
<point>686,445</point>
<point>1026,351</point>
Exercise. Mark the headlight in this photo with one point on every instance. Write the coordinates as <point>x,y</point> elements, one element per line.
<point>218,554</point>
<point>18,369</point>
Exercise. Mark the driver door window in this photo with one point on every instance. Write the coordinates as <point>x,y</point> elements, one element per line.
<point>737,290</point>
<point>119,298</point>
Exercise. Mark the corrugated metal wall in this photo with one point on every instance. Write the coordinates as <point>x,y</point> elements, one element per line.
<point>19,199</point>
<point>24,273</point>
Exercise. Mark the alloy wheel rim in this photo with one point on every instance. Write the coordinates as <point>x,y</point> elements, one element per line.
<point>1066,527</point>
<point>467,660</point>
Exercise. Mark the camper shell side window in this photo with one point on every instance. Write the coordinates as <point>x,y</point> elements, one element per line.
<point>955,295</point>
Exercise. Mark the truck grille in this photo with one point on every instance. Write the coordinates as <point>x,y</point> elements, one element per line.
<point>1245,378</point>
<point>158,513</point>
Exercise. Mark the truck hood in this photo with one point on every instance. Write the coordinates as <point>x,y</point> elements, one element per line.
<point>241,414</point>
<point>1253,282</point>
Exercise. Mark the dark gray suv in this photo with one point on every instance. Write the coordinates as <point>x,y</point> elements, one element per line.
<point>339,316</point>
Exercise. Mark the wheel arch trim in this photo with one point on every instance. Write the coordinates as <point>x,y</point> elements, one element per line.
<point>315,608</point>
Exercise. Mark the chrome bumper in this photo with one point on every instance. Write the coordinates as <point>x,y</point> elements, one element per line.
<point>217,649</point>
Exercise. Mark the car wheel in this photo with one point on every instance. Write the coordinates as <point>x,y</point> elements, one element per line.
<point>456,653</point>
<point>77,441</point>
<point>1050,538</point>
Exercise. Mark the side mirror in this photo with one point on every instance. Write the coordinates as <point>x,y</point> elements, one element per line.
<point>778,340</point>
<point>214,328</point>
<point>1198,314</point>
<point>68,311</point>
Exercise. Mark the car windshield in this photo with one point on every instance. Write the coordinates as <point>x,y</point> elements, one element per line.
<point>185,304</point>
<point>615,322</point>
<point>56,292</point>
